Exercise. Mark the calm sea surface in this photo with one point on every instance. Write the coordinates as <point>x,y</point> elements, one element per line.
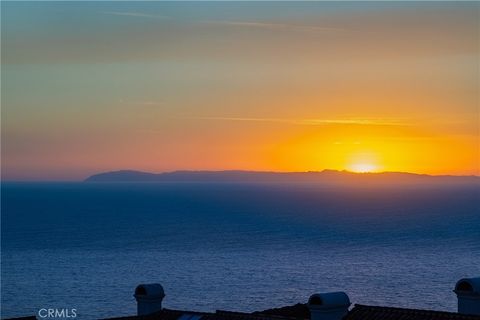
<point>238,247</point>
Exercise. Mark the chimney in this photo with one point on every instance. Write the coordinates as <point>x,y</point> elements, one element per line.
<point>328,306</point>
<point>468,294</point>
<point>149,298</point>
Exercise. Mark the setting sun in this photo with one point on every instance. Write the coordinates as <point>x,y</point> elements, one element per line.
<point>363,167</point>
<point>363,162</point>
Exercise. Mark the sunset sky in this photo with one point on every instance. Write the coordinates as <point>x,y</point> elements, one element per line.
<point>152,86</point>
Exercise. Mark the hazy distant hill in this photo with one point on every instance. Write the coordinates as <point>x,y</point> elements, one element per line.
<point>263,176</point>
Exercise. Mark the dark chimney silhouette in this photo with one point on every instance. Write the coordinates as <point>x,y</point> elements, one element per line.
<point>468,294</point>
<point>328,306</point>
<point>149,298</point>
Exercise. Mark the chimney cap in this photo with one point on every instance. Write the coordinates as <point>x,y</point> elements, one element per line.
<point>468,286</point>
<point>329,300</point>
<point>149,291</point>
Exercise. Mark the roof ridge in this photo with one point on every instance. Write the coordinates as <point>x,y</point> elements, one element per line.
<point>403,309</point>
<point>254,315</point>
<point>417,311</point>
<point>184,311</point>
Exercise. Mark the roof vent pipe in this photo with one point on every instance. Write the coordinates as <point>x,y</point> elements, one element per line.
<point>149,298</point>
<point>328,306</point>
<point>468,294</point>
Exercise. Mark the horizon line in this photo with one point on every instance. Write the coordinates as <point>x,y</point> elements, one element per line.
<point>280,172</point>
<point>237,170</point>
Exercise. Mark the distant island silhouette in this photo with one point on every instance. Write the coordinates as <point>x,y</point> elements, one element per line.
<point>267,176</point>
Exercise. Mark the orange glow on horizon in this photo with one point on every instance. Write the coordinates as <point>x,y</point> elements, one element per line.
<point>372,148</point>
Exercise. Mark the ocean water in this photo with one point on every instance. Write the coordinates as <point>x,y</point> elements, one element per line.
<point>242,247</point>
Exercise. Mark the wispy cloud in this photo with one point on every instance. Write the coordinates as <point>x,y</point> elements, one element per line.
<point>276,26</point>
<point>135,14</point>
<point>350,121</point>
<point>356,121</point>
